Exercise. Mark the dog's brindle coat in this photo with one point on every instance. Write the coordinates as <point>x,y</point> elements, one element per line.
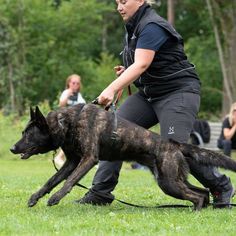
<point>88,134</point>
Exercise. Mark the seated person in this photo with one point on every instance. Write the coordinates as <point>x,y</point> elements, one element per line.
<point>69,97</point>
<point>227,139</point>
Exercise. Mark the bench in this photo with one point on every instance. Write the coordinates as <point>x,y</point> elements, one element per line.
<point>215,128</point>
<point>215,134</point>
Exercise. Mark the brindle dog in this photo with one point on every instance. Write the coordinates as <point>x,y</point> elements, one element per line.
<point>87,134</point>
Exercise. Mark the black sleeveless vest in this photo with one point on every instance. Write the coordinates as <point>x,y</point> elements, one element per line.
<point>170,71</point>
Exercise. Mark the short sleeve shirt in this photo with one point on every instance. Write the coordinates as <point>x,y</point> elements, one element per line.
<point>72,100</point>
<point>152,37</point>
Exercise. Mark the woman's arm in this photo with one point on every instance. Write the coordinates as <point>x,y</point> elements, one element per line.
<point>142,60</point>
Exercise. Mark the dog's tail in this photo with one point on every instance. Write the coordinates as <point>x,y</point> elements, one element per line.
<point>206,157</point>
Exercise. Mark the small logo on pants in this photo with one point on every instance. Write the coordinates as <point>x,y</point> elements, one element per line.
<point>171,130</point>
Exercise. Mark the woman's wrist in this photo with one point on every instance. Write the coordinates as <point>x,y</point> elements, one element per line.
<point>112,87</point>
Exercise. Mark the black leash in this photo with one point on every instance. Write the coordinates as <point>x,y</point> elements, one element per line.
<point>123,202</point>
<point>142,206</point>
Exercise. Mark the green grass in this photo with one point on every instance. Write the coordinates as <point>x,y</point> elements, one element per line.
<point>19,179</point>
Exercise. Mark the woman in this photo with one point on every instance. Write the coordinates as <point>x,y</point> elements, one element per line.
<point>227,139</point>
<point>69,97</point>
<point>168,93</point>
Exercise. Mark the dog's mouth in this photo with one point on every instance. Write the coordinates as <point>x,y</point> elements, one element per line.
<point>28,153</point>
<point>25,155</point>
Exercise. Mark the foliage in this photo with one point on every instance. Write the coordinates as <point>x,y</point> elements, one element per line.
<point>42,42</point>
<point>209,73</point>
<point>53,44</point>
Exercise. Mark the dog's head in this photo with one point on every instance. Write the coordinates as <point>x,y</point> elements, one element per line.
<point>35,137</point>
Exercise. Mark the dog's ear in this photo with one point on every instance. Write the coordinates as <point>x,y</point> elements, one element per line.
<point>32,114</point>
<point>40,119</point>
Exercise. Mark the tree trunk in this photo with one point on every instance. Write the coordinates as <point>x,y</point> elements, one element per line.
<point>171,11</point>
<point>11,86</point>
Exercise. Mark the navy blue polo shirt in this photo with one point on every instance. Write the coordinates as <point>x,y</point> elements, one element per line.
<point>152,37</point>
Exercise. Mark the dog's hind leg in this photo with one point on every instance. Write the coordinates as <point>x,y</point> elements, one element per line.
<point>202,191</point>
<point>178,189</point>
<point>81,170</point>
<point>62,174</point>
<point>173,171</point>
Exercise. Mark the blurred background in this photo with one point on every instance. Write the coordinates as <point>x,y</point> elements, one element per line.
<point>44,41</point>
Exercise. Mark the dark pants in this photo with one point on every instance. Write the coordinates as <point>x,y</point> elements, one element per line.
<point>226,145</point>
<point>176,115</point>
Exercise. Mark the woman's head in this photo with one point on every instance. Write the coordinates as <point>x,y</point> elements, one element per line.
<point>127,8</point>
<point>232,114</point>
<point>74,82</point>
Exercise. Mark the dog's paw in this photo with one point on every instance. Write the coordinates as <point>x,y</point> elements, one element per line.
<point>53,201</point>
<point>33,200</point>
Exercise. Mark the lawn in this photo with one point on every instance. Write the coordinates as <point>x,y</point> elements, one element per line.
<point>20,178</point>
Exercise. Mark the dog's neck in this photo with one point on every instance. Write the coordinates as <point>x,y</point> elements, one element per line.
<point>59,123</point>
<point>57,131</point>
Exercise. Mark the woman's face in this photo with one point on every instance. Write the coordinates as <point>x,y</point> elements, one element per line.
<point>127,8</point>
<point>74,84</point>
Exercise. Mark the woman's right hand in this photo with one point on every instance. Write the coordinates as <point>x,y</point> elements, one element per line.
<point>119,70</point>
<point>69,92</point>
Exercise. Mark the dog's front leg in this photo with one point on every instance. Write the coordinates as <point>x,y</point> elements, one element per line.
<point>62,174</point>
<point>82,169</point>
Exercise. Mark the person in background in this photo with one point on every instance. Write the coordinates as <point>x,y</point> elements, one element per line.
<point>69,97</point>
<point>227,139</point>
<point>168,94</point>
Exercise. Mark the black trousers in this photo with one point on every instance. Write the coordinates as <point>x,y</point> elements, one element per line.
<point>176,115</point>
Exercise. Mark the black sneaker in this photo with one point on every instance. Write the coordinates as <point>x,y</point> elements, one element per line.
<point>223,199</point>
<point>94,199</point>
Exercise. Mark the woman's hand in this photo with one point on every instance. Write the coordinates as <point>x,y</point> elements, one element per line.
<point>119,70</point>
<point>107,96</point>
<point>69,92</point>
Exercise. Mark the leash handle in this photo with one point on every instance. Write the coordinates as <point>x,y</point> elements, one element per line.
<point>112,105</point>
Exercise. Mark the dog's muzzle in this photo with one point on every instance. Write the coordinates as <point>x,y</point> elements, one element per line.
<point>13,149</point>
